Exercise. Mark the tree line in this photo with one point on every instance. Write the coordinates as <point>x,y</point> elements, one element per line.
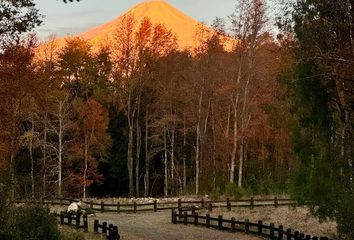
<point>143,117</point>
<point>139,117</point>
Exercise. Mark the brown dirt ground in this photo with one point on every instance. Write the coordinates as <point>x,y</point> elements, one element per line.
<point>158,226</point>
<point>150,225</point>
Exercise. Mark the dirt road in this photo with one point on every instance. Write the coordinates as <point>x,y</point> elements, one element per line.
<point>158,226</point>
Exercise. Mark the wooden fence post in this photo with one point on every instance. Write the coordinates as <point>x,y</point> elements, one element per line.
<point>69,219</point>
<point>102,206</point>
<point>193,210</point>
<point>173,216</point>
<point>280,232</point>
<point>276,202</point>
<point>210,207</point>
<point>288,234</point>
<point>247,226</point>
<point>233,224</point>
<point>179,203</point>
<point>95,226</point>
<point>228,204</point>
<point>91,204</point>
<point>110,232</point>
<point>196,219</point>
<point>252,202</point>
<point>61,218</point>
<point>104,228</point>
<point>85,223</point>
<point>207,220</point>
<point>116,233</point>
<point>260,226</point>
<point>134,205</point>
<point>220,222</point>
<point>155,205</point>
<point>185,218</point>
<point>271,231</point>
<point>77,220</point>
<point>179,213</point>
<point>202,203</point>
<point>118,207</point>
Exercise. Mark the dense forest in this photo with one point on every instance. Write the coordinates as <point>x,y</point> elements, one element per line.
<point>141,118</point>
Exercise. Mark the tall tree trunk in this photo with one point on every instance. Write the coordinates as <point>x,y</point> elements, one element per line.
<point>227,132</point>
<point>243,129</point>
<point>31,157</point>
<point>235,142</point>
<point>198,140</point>
<point>214,147</point>
<point>240,167</point>
<point>44,167</point>
<point>173,154</point>
<point>147,160</point>
<point>130,164</point>
<point>165,160</point>
<point>235,136</point>
<point>184,155</point>
<point>60,148</point>
<point>86,164</point>
<point>138,148</point>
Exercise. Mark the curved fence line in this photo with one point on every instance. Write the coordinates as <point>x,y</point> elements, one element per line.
<point>160,206</point>
<point>247,227</point>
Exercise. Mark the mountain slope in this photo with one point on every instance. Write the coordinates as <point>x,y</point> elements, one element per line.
<point>159,12</point>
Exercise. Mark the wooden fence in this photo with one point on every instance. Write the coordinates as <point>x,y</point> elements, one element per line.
<point>109,230</point>
<point>160,206</point>
<point>74,220</point>
<point>233,225</point>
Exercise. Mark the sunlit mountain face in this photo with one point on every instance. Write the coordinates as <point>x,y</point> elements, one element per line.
<point>187,30</point>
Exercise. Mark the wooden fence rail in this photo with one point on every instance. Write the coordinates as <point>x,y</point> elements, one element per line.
<point>233,225</point>
<point>109,230</point>
<point>160,206</point>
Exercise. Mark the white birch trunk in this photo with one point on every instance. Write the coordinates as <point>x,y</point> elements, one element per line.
<point>198,139</point>
<point>240,169</point>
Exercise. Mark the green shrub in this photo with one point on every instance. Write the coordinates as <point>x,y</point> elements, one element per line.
<point>35,223</point>
<point>30,222</point>
<point>216,193</point>
<point>6,227</point>
<point>233,191</point>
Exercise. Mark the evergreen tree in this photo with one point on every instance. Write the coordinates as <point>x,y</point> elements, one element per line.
<point>323,96</point>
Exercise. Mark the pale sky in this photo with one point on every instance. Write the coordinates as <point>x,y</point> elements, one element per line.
<point>62,19</point>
